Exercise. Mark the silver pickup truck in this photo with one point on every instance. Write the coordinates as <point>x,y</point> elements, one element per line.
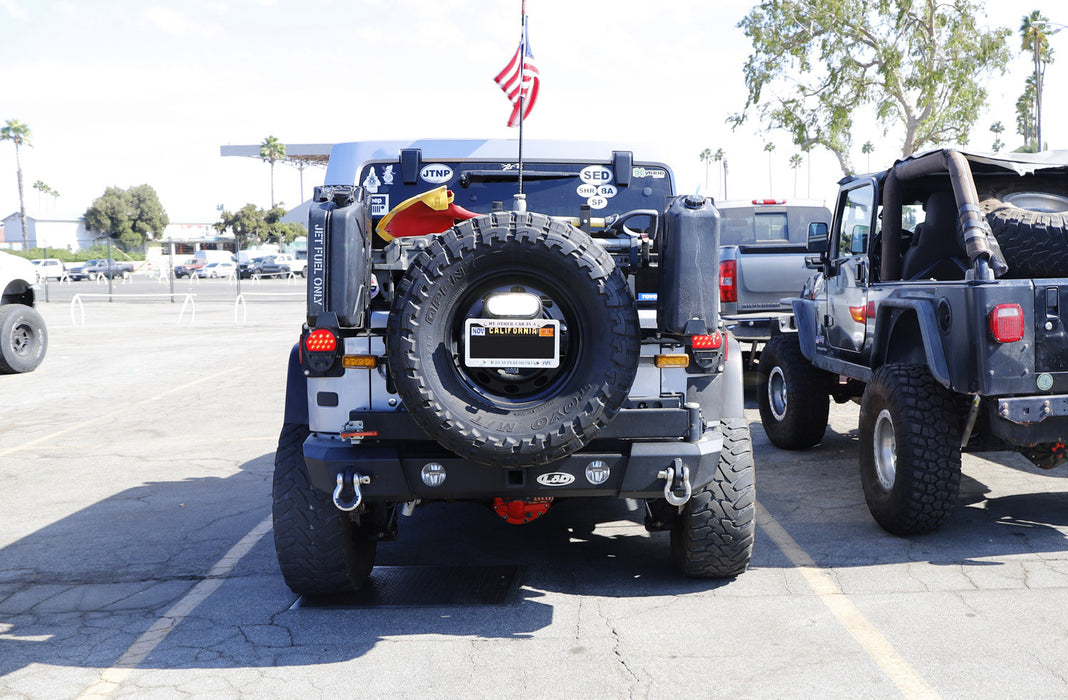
<point>763,244</point>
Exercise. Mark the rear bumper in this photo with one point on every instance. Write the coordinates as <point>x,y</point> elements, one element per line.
<point>759,328</point>
<point>395,470</point>
<point>1029,420</point>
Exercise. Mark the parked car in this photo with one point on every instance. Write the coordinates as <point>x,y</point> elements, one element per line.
<point>23,334</point>
<point>218,269</point>
<point>282,265</point>
<point>50,268</point>
<point>188,268</point>
<point>246,269</point>
<point>79,271</point>
<point>108,267</point>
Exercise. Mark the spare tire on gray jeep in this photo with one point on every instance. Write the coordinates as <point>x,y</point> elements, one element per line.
<point>1029,219</point>
<point>520,415</point>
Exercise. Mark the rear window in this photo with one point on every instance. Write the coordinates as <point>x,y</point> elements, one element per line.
<point>555,189</point>
<point>754,225</point>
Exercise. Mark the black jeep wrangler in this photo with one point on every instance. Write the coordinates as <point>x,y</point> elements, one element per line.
<point>463,342</point>
<point>941,302</point>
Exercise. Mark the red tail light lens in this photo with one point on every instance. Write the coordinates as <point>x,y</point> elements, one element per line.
<point>728,283</point>
<point>1007,323</point>
<point>707,342</point>
<point>320,340</point>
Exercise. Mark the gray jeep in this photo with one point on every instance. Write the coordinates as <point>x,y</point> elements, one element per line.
<point>464,342</point>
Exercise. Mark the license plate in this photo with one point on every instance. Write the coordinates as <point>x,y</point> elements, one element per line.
<point>497,342</point>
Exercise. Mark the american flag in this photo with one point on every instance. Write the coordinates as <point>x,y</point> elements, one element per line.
<point>520,79</point>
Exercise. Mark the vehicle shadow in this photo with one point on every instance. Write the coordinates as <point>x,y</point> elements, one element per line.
<point>817,496</point>
<point>80,591</point>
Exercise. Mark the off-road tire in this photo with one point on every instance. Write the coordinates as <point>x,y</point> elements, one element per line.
<point>1034,243</point>
<point>713,535</point>
<point>469,410</point>
<point>321,551</point>
<point>23,339</point>
<point>793,396</point>
<point>909,449</point>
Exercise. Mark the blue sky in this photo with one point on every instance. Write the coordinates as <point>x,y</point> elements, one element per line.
<point>122,93</point>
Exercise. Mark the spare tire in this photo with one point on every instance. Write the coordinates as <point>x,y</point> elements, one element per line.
<point>1029,219</point>
<point>513,417</point>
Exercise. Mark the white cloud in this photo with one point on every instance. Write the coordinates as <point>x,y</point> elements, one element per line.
<point>175,23</point>
<point>14,9</point>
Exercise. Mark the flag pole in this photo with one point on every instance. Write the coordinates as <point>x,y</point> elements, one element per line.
<point>522,70</point>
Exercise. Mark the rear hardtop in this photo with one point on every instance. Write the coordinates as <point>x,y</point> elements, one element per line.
<point>559,177</point>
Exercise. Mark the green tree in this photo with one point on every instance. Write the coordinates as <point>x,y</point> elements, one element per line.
<point>705,157</point>
<point>1034,34</point>
<point>720,157</point>
<point>770,148</point>
<point>867,149</point>
<point>920,65</point>
<point>1025,116</point>
<point>44,189</point>
<point>19,134</point>
<point>997,128</point>
<point>272,150</point>
<point>131,216</point>
<point>795,163</point>
<point>252,226</point>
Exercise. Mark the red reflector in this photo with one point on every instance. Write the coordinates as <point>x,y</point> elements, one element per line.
<point>728,288</point>
<point>1007,323</point>
<point>320,340</point>
<point>706,342</point>
<point>769,201</point>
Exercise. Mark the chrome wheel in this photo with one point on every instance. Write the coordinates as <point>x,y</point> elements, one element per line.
<point>884,447</point>
<point>1045,202</point>
<point>777,393</point>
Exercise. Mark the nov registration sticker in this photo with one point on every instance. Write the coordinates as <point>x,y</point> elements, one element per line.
<point>498,342</point>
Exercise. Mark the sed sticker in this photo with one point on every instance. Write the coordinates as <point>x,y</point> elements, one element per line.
<point>595,175</point>
<point>436,173</point>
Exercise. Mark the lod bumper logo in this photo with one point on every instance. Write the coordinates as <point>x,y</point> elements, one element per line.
<point>556,479</point>
<point>436,173</point>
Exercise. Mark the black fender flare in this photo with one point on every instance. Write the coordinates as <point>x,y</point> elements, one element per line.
<point>890,313</point>
<point>805,318</point>
<point>296,390</point>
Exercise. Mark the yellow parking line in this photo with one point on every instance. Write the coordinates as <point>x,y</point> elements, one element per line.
<point>907,679</point>
<point>91,421</point>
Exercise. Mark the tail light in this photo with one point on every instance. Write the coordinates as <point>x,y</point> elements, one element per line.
<point>320,350</point>
<point>728,282</point>
<point>1006,323</point>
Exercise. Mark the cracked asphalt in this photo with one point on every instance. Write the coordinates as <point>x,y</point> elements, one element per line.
<point>140,454</point>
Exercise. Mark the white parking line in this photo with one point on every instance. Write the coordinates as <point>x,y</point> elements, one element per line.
<point>907,679</point>
<point>111,679</point>
<point>91,421</point>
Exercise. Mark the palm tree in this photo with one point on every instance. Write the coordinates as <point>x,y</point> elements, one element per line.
<point>795,164</point>
<point>720,157</point>
<point>19,134</point>
<point>705,157</point>
<point>1034,32</point>
<point>867,149</point>
<point>272,150</point>
<point>997,128</point>
<point>770,148</point>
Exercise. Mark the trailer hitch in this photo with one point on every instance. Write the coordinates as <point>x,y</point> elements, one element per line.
<point>354,482</point>
<point>676,478</point>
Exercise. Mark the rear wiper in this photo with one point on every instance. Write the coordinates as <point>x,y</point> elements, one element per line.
<point>512,175</point>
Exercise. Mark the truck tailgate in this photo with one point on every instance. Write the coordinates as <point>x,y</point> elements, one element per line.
<point>766,274</point>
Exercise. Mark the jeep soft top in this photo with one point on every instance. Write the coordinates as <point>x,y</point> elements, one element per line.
<point>464,342</point>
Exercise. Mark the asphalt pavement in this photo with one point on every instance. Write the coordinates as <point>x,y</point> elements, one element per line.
<point>136,557</point>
